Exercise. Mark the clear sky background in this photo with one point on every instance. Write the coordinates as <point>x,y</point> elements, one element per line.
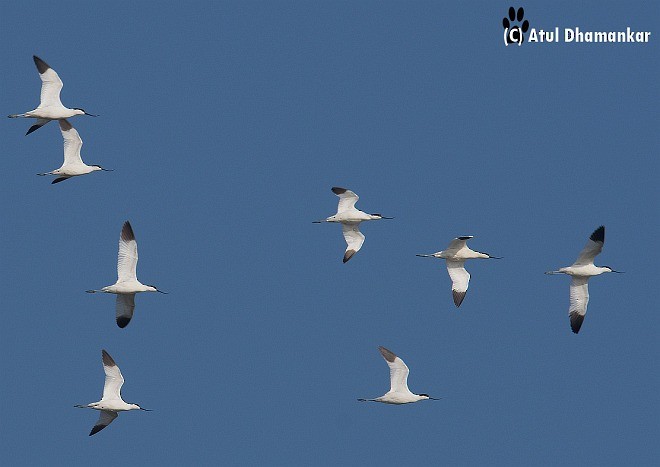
<point>226,124</point>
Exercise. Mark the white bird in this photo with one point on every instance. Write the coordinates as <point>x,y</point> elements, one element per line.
<point>399,392</point>
<point>73,164</point>
<point>580,272</point>
<point>456,254</point>
<point>349,217</point>
<point>50,107</point>
<point>111,402</point>
<point>127,284</point>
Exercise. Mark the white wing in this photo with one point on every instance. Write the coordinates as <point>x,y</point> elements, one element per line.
<point>51,84</point>
<point>72,144</point>
<point>459,280</point>
<point>128,255</point>
<point>579,301</point>
<point>347,199</point>
<point>105,418</point>
<point>398,371</point>
<point>593,247</point>
<point>124,307</point>
<point>113,378</point>
<point>457,243</point>
<point>354,239</point>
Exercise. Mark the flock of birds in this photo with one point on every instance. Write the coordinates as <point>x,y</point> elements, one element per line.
<point>127,285</point>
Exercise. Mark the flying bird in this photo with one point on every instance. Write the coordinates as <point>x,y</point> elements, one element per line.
<point>50,107</point>
<point>455,255</point>
<point>127,284</point>
<point>111,402</point>
<point>349,217</point>
<point>580,271</point>
<point>399,392</point>
<point>73,164</point>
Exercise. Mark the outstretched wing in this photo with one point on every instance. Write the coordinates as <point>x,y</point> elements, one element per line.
<point>458,243</point>
<point>105,418</point>
<point>347,198</point>
<point>398,371</point>
<point>40,122</point>
<point>51,84</point>
<point>593,247</point>
<point>354,239</point>
<point>128,255</point>
<point>113,378</point>
<point>459,280</point>
<point>579,301</point>
<point>124,307</point>
<point>72,143</point>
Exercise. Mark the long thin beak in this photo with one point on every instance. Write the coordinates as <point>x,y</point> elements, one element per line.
<point>618,272</point>
<point>317,222</point>
<point>91,115</point>
<point>92,291</point>
<point>161,291</point>
<point>495,257</point>
<point>383,217</point>
<point>551,272</point>
<point>424,256</point>
<point>435,398</point>
<point>107,170</point>
<point>146,410</point>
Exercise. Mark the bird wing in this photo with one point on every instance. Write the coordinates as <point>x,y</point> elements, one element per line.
<point>105,418</point>
<point>124,307</point>
<point>354,239</point>
<point>128,255</point>
<point>51,84</point>
<point>579,301</point>
<point>398,371</point>
<point>457,243</point>
<point>72,143</point>
<point>347,199</point>
<point>593,247</point>
<point>40,122</point>
<point>113,378</point>
<point>459,280</point>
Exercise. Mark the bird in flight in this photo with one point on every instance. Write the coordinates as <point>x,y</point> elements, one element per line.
<point>399,392</point>
<point>73,164</point>
<point>580,271</point>
<point>111,403</point>
<point>350,218</point>
<point>127,284</point>
<point>455,255</point>
<point>50,106</point>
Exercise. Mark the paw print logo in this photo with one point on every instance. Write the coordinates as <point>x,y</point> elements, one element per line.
<point>514,33</point>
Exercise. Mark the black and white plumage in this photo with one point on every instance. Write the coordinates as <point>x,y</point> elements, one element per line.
<point>580,271</point>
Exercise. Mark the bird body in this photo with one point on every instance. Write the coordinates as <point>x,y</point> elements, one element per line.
<point>350,218</point>
<point>580,272</point>
<point>127,284</point>
<point>73,164</point>
<point>399,392</point>
<point>111,401</point>
<point>455,255</point>
<point>50,106</point>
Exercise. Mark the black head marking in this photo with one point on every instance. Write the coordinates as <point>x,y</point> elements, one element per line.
<point>338,191</point>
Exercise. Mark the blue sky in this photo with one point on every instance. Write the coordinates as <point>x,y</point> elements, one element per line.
<point>226,124</point>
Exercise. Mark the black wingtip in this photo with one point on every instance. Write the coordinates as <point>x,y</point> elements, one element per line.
<point>42,66</point>
<point>599,234</point>
<point>96,429</point>
<point>338,190</point>
<point>122,322</point>
<point>33,128</point>
<point>458,297</point>
<point>127,232</point>
<point>576,322</point>
<point>107,359</point>
<point>58,180</point>
<point>348,255</point>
